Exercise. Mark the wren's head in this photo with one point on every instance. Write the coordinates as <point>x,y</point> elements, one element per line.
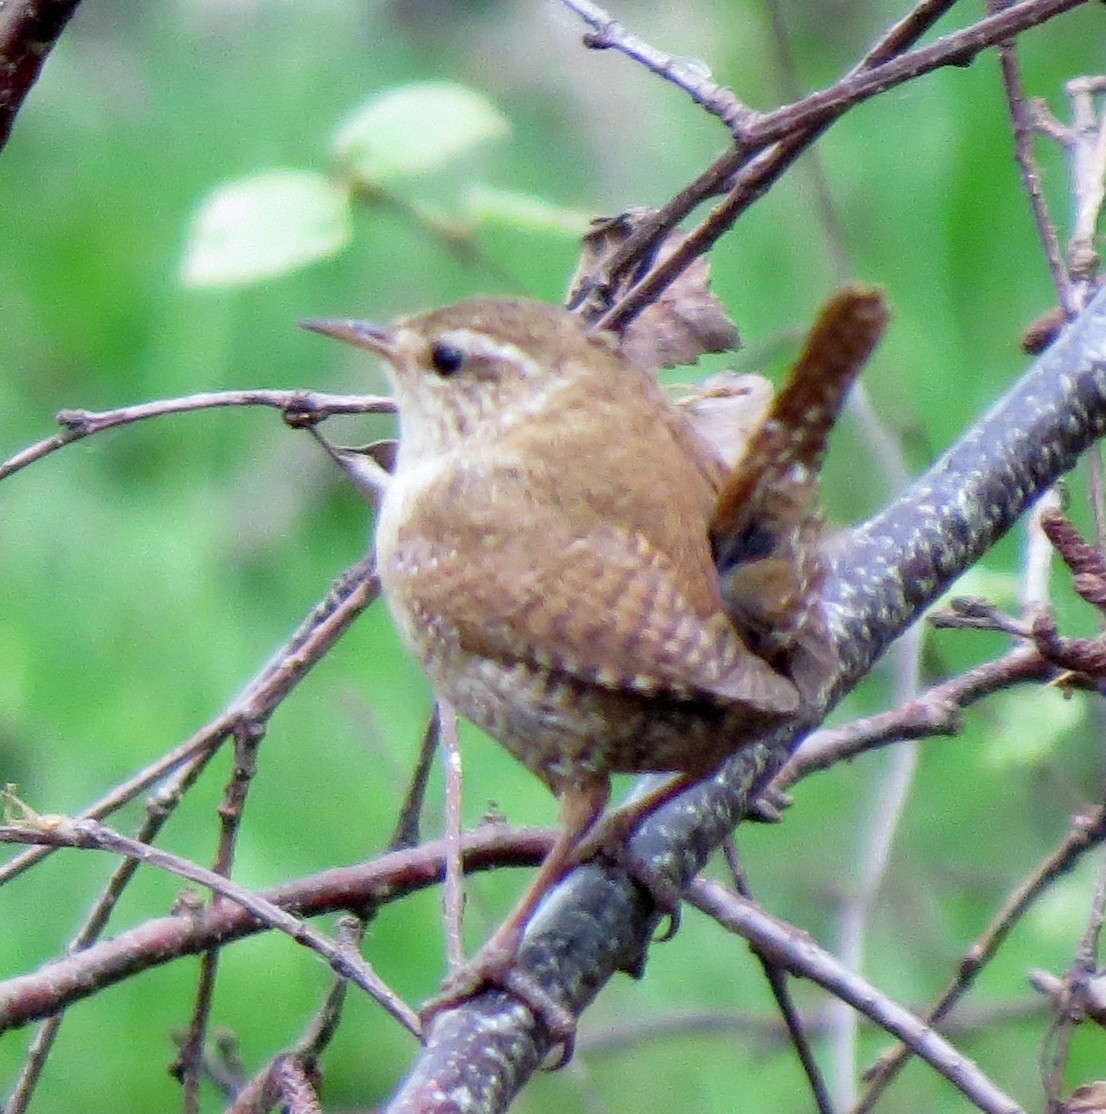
<point>476,367</point>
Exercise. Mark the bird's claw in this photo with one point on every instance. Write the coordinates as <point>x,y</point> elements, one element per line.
<point>495,966</point>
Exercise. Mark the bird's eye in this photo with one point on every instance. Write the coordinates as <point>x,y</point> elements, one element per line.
<point>446,358</point>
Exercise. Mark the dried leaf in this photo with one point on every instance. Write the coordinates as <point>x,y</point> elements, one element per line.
<point>1088,1099</point>
<point>725,411</point>
<point>685,321</point>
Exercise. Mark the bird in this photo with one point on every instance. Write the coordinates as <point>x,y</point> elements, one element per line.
<point>549,543</point>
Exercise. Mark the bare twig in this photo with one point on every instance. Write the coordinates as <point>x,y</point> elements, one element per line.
<point>409,823</point>
<point>298,407</point>
<point>1088,156</point>
<point>829,215</point>
<point>777,980</point>
<point>258,1093</point>
<point>1086,833</point>
<point>935,712</point>
<point>388,878</point>
<point>692,77</point>
<point>60,831</point>
<point>1023,119</point>
<point>1086,562</point>
<point>762,1031</point>
<point>159,808</point>
<point>902,35</point>
<point>288,1081</point>
<point>350,594</point>
<point>188,1067</point>
<point>791,129</point>
<point>878,830</point>
<point>795,951</point>
<point>1036,575</point>
<point>956,49</point>
<point>454,894</point>
<point>1073,1002</point>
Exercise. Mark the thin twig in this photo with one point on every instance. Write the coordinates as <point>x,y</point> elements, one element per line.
<point>777,981</point>
<point>956,49</point>
<point>391,877</point>
<point>716,179</point>
<point>692,77</point>
<point>797,952</point>
<point>761,1032</point>
<point>453,897</point>
<point>1023,119</point>
<point>298,407</point>
<point>902,35</point>
<point>1039,553</point>
<point>349,595</point>
<point>255,1094</point>
<point>159,808</point>
<point>877,835</point>
<point>1085,834</point>
<point>1071,1001</point>
<point>789,130</point>
<point>409,822</point>
<point>936,712</point>
<point>189,1065</point>
<point>1088,158</point>
<point>829,215</point>
<point>92,835</point>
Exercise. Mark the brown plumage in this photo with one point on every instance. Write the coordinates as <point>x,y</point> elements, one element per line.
<point>545,547</point>
<point>766,530</point>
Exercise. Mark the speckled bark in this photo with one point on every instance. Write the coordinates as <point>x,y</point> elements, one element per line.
<point>598,922</point>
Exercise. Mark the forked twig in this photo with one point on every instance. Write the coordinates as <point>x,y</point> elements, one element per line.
<point>796,952</point>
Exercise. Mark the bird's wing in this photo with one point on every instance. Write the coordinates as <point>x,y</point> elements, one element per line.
<point>606,608</point>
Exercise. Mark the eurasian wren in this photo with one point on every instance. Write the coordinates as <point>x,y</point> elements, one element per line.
<point>545,546</point>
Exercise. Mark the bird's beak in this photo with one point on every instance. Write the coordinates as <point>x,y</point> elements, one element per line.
<point>361,333</point>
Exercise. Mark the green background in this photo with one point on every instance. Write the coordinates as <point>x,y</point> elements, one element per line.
<point>147,574</point>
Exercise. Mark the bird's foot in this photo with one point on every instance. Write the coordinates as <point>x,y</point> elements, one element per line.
<point>496,965</point>
<point>610,840</point>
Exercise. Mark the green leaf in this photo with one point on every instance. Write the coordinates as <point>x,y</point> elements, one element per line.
<point>1059,913</point>
<point>1000,588</point>
<point>414,128</point>
<point>265,225</point>
<point>522,210</point>
<point>1024,732</point>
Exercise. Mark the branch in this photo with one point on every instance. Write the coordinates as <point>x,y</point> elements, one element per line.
<point>61,831</point>
<point>936,712</point>
<point>299,408</point>
<point>351,593</point>
<point>692,77</point>
<point>73,977</point>
<point>1086,833</point>
<point>769,142</point>
<point>797,953</point>
<point>28,31</point>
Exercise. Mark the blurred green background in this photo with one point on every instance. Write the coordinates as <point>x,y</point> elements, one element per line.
<point>147,574</point>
